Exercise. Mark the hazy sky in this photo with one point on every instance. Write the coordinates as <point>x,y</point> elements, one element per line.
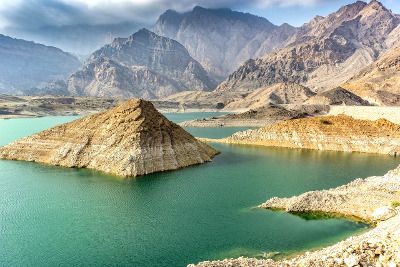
<point>27,14</point>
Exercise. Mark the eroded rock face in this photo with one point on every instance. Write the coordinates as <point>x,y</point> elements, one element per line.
<point>336,96</point>
<point>129,140</point>
<point>143,65</point>
<point>280,93</point>
<point>336,133</point>
<point>322,48</point>
<point>222,39</point>
<point>379,83</point>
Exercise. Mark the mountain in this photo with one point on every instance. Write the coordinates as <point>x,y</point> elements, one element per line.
<point>129,140</point>
<point>379,83</point>
<point>323,53</point>
<point>80,39</point>
<point>222,39</point>
<point>143,65</point>
<point>25,64</point>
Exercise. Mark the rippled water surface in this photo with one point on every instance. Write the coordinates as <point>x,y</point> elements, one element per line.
<point>52,216</point>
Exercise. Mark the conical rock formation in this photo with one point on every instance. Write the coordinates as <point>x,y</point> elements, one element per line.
<point>129,140</point>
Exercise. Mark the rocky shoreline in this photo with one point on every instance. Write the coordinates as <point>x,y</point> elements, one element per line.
<point>334,133</point>
<point>374,199</point>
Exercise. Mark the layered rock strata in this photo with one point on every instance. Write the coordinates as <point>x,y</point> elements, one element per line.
<point>336,133</point>
<point>129,140</point>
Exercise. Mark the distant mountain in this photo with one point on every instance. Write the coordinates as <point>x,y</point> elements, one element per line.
<point>81,39</point>
<point>325,52</point>
<point>143,65</point>
<point>24,64</point>
<point>222,39</point>
<point>379,83</point>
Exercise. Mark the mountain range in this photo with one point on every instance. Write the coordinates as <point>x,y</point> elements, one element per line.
<point>24,64</point>
<point>345,54</point>
<point>325,52</point>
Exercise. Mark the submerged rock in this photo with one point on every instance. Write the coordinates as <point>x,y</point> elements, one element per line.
<point>129,140</point>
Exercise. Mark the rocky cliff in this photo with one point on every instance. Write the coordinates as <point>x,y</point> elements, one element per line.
<point>129,140</point>
<point>379,83</point>
<point>336,133</point>
<point>24,64</point>
<point>222,39</point>
<point>324,52</point>
<point>144,65</point>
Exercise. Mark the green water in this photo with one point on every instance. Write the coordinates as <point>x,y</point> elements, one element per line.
<point>52,216</point>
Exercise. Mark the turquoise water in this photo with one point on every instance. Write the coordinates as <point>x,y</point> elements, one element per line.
<point>52,216</point>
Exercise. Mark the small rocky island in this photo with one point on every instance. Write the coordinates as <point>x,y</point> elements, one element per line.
<point>129,140</point>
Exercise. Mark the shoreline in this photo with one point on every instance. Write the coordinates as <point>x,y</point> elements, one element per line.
<point>375,199</point>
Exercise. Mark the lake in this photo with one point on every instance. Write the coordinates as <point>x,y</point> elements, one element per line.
<point>52,216</point>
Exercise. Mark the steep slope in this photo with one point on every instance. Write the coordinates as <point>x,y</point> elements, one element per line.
<point>143,65</point>
<point>281,93</point>
<point>336,96</point>
<point>222,39</point>
<point>24,64</point>
<point>128,140</point>
<point>379,83</point>
<point>324,53</point>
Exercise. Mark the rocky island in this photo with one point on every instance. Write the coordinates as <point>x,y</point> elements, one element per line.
<point>335,133</point>
<point>129,140</point>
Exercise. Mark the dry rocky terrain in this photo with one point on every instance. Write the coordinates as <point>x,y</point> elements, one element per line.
<point>258,117</point>
<point>323,53</point>
<point>337,133</point>
<point>379,83</point>
<point>129,140</point>
<point>24,106</point>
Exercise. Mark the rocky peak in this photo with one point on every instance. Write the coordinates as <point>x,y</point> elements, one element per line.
<point>221,39</point>
<point>129,140</point>
<point>143,65</point>
<point>354,35</point>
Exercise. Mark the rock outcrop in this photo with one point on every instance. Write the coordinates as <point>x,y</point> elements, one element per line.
<point>129,140</point>
<point>336,96</point>
<point>374,199</point>
<point>25,64</point>
<point>144,65</point>
<point>336,133</point>
<point>259,117</point>
<point>222,39</point>
<point>379,83</point>
<point>324,53</point>
<point>281,93</point>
